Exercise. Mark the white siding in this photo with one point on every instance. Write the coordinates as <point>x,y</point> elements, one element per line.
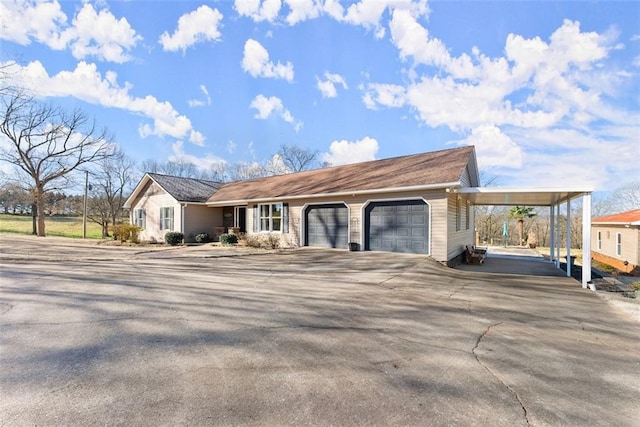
<point>458,239</point>
<point>151,200</point>
<point>630,242</point>
<point>201,219</point>
<point>438,213</point>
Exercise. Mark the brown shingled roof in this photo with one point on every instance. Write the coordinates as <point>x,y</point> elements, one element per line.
<point>628,217</point>
<point>439,167</point>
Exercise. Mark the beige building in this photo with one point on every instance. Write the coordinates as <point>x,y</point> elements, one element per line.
<point>615,240</point>
<point>404,204</point>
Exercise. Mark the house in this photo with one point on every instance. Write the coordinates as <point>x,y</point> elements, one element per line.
<point>403,204</point>
<point>616,241</point>
<point>162,203</point>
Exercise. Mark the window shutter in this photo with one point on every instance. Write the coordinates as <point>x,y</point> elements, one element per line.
<point>171,218</point>
<point>285,217</point>
<point>161,218</point>
<point>256,218</point>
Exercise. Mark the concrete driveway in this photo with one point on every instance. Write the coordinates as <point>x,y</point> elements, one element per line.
<point>120,336</point>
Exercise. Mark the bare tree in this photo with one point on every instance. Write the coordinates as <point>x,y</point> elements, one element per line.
<point>626,198</point>
<point>242,171</point>
<point>181,168</point>
<point>111,180</point>
<point>47,143</point>
<point>297,159</point>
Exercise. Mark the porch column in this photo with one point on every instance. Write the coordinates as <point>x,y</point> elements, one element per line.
<point>552,227</point>
<point>557,248</point>
<point>586,242</point>
<point>568,249</point>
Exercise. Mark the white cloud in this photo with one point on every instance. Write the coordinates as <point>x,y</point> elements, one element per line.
<point>23,21</point>
<point>204,163</point>
<point>231,146</point>
<point>345,152</point>
<point>87,84</point>
<point>198,26</point>
<point>200,102</point>
<point>302,10</point>
<point>365,13</point>
<point>92,33</point>
<point>265,10</point>
<point>255,61</point>
<point>328,86</point>
<point>494,148</point>
<point>273,105</point>
<point>537,83</point>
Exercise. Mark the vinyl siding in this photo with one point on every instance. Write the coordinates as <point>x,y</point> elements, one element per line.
<point>438,214</point>
<point>201,219</point>
<point>458,239</point>
<point>630,242</point>
<point>151,199</point>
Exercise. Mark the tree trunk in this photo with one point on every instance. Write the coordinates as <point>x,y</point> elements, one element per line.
<point>40,209</point>
<point>520,231</point>
<point>34,218</point>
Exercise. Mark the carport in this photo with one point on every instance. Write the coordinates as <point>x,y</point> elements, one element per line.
<point>552,198</point>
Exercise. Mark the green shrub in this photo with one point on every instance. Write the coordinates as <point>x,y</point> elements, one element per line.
<point>203,238</point>
<point>228,239</point>
<point>173,238</point>
<point>635,286</point>
<point>124,232</point>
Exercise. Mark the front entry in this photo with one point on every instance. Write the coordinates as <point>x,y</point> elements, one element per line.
<point>240,218</point>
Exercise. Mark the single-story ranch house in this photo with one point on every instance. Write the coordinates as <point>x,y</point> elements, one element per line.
<point>403,204</point>
<point>616,240</point>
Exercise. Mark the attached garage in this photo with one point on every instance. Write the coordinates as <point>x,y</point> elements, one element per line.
<point>397,226</point>
<point>327,225</point>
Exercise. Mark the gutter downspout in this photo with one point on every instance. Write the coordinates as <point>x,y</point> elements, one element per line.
<point>182,206</point>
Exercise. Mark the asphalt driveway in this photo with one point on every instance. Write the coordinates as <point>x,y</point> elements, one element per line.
<point>203,336</point>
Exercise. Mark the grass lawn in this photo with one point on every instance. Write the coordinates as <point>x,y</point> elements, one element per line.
<point>54,226</point>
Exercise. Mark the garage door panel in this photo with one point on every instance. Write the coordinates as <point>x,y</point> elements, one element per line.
<point>399,226</point>
<point>327,226</point>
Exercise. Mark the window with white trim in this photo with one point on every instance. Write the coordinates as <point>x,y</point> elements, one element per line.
<point>270,217</point>
<point>599,240</point>
<point>166,218</point>
<point>140,218</point>
<point>619,244</point>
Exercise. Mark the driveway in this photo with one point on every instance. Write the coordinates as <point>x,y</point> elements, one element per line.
<point>203,336</point>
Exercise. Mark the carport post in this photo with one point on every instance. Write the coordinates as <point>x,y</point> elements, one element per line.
<point>553,233</point>
<point>568,250</point>
<point>557,248</point>
<point>586,242</point>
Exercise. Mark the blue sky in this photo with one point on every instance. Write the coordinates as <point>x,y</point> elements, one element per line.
<point>548,92</point>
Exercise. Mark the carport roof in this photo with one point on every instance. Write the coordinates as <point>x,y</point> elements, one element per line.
<point>504,196</point>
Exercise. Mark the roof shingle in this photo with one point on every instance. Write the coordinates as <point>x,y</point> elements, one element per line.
<point>186,189</point>
<point>439,167</point>
<point>628,217</point>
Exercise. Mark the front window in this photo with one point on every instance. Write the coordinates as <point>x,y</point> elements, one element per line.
<point>619,244</point>
<point>139,218</point>
<point>166,218</point>
<point>599,240</point>
<point>271,217</point>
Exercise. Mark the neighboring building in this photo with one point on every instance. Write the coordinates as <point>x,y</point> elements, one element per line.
<point>615,240</point>
<point>403,204</point>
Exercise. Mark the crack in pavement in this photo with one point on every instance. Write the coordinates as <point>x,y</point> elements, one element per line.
<point>493,374</point>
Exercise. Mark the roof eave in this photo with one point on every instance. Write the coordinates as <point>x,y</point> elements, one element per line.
<point>438,186</point>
